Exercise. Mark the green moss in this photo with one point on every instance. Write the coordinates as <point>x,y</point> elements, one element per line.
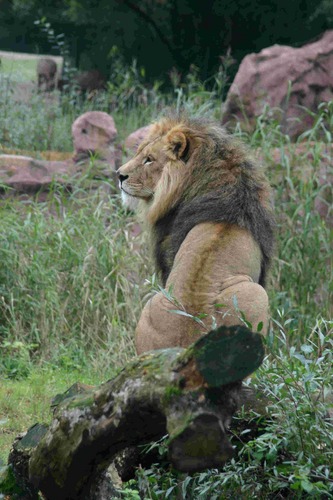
<point>170,392</point>
<point>32,437</point>
<point>9,484</point>
<point>79,401</point>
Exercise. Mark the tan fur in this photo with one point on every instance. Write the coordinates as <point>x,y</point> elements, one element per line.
<point>208,270</point>
<point>216,269</point>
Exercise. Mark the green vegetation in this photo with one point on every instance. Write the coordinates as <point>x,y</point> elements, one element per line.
<point>132,103</point>
<point>72,287</point>
<point>19,69</point>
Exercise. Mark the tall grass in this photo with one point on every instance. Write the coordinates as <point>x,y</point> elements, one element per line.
<point>66,279</point>
<point>39,122</point>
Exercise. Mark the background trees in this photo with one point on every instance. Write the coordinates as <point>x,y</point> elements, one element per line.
<point>162,34</point>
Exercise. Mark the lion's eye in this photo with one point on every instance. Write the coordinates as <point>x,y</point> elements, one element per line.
<point>148,160</point>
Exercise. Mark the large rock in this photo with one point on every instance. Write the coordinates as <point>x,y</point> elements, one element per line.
<point>135,138</point>
<point>24,174</point>
<point>46,74</point>
<point>27,175</point>
<point>94,133</point>
<point>284,77</point>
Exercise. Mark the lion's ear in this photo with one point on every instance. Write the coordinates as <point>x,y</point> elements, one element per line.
<point>177,145</point>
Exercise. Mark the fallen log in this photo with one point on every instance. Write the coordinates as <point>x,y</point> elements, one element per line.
<point>191,394</point>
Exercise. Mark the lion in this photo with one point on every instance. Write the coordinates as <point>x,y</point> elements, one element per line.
<point>207,207</point>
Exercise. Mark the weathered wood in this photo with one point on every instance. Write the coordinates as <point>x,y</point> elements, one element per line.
<point>191,394</point>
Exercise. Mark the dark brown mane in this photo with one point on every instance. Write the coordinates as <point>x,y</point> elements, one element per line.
<point>225,187</point>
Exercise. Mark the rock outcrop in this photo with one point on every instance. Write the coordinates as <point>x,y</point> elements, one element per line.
<point>28,175</point>
<point>94,133</point>
<point>88,81</point>
<point>46,74</point>
<point>135,138</point>
<point>287,78</point>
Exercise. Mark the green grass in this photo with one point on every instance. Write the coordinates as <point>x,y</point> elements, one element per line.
<point>20,70</point>
<point>66,273</point>
<point>24,402</point>
<point>72,287</point>
<point>39,123</point>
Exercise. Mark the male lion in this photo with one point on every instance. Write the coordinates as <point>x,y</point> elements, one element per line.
<point>208,209</point>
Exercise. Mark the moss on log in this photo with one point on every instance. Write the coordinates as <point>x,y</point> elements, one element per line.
<point>191,394</point>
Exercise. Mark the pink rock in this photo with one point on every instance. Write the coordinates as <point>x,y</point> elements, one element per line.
<point>46,74</point>
<point>284,77</point>
<point>24,174</point>
<point>94,132</point>
<point>27,175</point>
<point>135,138</point>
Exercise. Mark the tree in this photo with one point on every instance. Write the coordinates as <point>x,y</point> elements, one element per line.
<point>191,394</point>
<point>162,34</point>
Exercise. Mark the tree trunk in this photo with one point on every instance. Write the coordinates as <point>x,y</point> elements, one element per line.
<point>191,394</point>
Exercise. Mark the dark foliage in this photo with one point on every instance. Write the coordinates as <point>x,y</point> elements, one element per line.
<point>161,34</point>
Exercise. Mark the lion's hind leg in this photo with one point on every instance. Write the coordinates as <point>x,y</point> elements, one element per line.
<point>242,301</point>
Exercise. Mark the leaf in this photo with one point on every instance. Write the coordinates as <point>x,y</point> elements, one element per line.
<point>201,315</point>
<point>181,313</point>
<point>306,485</point>
<point>245,431</point>
<point>307,349</point>
<point>235,302</point>
<point>185,484</point>
<point>169,491</point>
<point>301,358</point>
<point>260,326</point>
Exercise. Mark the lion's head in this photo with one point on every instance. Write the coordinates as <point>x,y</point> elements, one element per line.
<point>141,175</point>
<point>179,157</point>
<point>190,171</point>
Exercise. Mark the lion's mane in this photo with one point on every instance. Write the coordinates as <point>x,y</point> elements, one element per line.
<point>221,184</point>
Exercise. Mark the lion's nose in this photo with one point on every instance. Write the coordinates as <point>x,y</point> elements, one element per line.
<point>122,177</point>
